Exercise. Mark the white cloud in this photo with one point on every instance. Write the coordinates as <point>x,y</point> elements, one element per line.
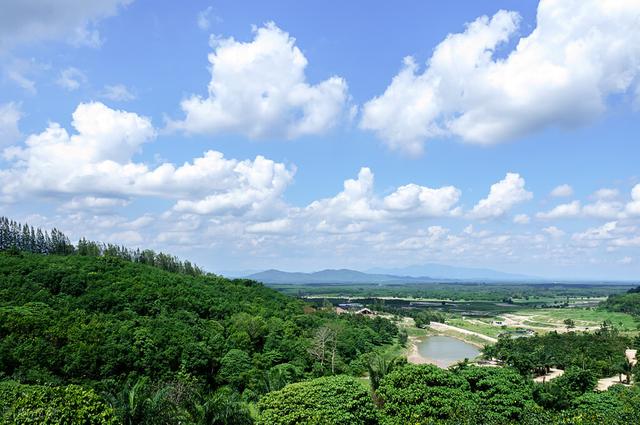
<point>92,203</point>
<point>255,186</point>
<point>423,201</point>
<point>521,219</point>
<point>118,93</point>
<point>355,202</point>
<point>626,261</point>
<point>613,234</point>
<point>603,209</point>
<point>560,75</point>
<point>357,205</point>
<point>279,226</point>
<point>503,195</point>
<point>572,209</point>
<point>607,231</point>
<point>22,73</point>
<point>606,194</point>
<point>259,89</point>
<point>562,191</point>
<point>204,18</point>
<point>553,231</point>
<point>9,118</point>
<point>27,21</point>
<point>633,207</point>
<point>71,79</point>
<point>95,165</point>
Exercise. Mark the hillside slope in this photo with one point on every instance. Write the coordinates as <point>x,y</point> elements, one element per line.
<point>120,327</point>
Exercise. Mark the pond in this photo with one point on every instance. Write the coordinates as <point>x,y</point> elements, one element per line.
<point>446,351</point>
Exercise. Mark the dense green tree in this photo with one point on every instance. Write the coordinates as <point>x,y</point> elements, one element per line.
<point>600,351</point>
<point>35,404</point>
<point>339,400</point>
<point>559,393</point>
<point>120,326</point>
<point>502,393</point>
<point>417,393</point>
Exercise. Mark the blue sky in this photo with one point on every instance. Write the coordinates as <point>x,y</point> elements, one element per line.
<point>308,135</point>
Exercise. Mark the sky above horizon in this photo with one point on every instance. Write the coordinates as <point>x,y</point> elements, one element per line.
<point>248,135</point>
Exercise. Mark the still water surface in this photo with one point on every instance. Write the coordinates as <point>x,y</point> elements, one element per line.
<point>446,351</point>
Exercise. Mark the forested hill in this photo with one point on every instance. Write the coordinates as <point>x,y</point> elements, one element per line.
<point>144,345</point>
<point>626,303</point>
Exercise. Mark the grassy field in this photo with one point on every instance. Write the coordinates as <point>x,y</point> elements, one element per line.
<point>479,326</point>
<point>591,318</point>
<point>547,320</point>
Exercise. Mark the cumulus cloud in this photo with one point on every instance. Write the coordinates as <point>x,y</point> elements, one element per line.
<point>633,207</point>
<point>503,196</point>
<point>92,203</point>
<point>26,21</point>
<point>560,75</point>
<point>603,209</point>
<point>10,115</point>
<point>562,191</point>
<point>117,93</point>
<point>606,194</point>
<point>423,201</point>
<point>613,233</point>
<point>521,219</point>
<point>259,89</point>
<point>357,205</point>
<point>572,209</point>
<point>95,169</point>
<point>278,227</point>
<point>71,79</point>
<point>553,231</point>
<point>252,186</point>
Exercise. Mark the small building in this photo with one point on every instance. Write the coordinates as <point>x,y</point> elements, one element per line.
<point>365,312</point>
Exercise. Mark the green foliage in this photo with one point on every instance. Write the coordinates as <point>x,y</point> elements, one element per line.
<point>222,407</point>
<point>600,351</point>
<point>423,318</point>
<point>235,367</point>
<point>560,393</point>
<point>415,393</point>
<point>625,303</point>
<point>35,404</point>
<point>502,394</point>
<point>133,331</point>
<point>328,400</point>
<point>468,394</point>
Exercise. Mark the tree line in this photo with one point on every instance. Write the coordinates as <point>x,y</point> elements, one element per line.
<point>21,237</point>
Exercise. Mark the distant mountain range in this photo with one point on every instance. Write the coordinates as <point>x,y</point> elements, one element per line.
<point>441,271</point>
<point>418,274</point>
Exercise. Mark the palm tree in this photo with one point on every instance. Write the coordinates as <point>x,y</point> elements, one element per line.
<point>222,407</point>
<point>626,368</point>
<point>379,367</point>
